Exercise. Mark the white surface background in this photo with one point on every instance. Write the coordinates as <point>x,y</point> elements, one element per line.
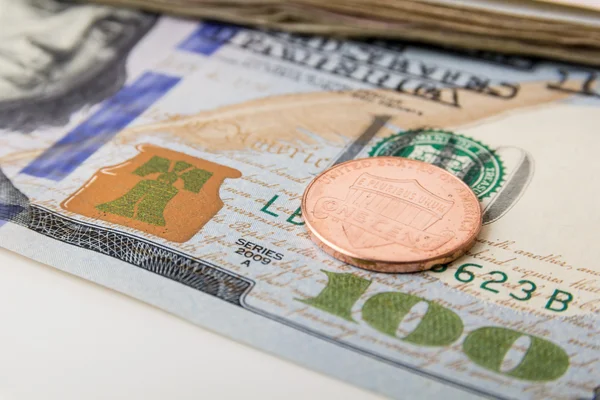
<point>64,338</point>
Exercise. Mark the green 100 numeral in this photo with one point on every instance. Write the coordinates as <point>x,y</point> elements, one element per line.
<point>440,326</point>
<point>558,301</point>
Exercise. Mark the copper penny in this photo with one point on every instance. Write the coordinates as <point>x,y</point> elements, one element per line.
<point>391,214</point>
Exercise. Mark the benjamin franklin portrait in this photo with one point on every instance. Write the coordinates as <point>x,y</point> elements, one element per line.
<point>57,56</point>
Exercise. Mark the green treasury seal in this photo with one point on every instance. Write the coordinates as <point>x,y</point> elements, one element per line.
<point>473,162</point>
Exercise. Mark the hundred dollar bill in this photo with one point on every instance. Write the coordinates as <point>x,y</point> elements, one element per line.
<point>166,159</point>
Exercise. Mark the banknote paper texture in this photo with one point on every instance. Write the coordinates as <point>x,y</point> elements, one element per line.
<point>181,186</point>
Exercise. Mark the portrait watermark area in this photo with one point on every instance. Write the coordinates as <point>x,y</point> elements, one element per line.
<point>56,57</point>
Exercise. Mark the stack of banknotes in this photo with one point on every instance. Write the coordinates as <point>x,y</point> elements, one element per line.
<point>166,159</point>
<point>562,29</point>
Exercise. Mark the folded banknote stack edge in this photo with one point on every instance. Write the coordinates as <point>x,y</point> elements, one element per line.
<point>564,32</point>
